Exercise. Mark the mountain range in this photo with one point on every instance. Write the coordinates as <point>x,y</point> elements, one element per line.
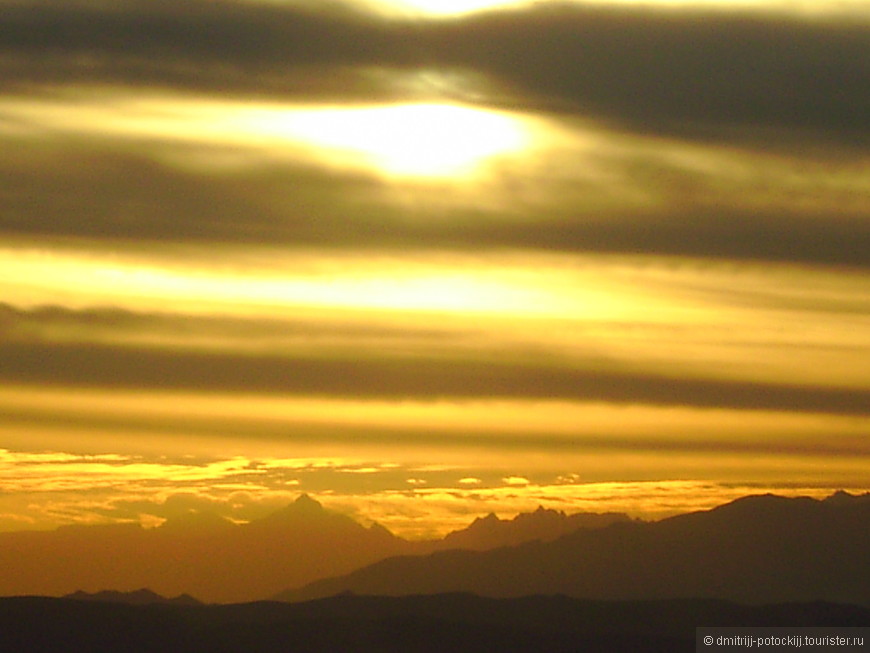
<point>490,532</point>
<point>216,560</point>
<point>446,623</point>
<point>758,549</point>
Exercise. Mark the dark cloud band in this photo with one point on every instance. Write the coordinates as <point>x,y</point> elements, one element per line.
<point>389,376</point>
<point>652,69</point>
<point>99,193</point>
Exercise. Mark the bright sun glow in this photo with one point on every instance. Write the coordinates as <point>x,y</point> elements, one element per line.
<point>442,7</point>
<point>407,140</point>
<point>456,8</point>
<point>424,140</point>
<point>357,286</point>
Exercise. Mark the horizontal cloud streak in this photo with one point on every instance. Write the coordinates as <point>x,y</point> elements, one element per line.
<point>400,377</point>
<point>653,69</point>
<point>672,69</point>
<point>57,324</point>
<point>622,197</point>
<point>563,428</point>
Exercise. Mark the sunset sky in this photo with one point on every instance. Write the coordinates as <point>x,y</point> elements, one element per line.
<point>426,260</point>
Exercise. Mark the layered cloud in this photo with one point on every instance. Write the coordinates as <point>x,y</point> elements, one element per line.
<point>345,250</point>
<point>167,168</point>
<point>649,67</point>
<point>86,489</point>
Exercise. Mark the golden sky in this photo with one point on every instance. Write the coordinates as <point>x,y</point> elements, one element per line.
<point>426,261</point>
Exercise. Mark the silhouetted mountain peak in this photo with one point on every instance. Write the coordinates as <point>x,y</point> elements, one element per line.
<point>755,512</point>
<point>305,502</point>
<point>540,515</point>
<point>303,509</point>
<point>381,531</point>
<point>543,524</point>
<point>843,498</point>
<point>763,504</point>
<point>485,523</point>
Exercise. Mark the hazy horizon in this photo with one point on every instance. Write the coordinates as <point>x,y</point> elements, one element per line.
<point>304,552</point>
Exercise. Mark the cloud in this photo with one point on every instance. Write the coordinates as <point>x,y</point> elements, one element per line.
<point>715,232</point>
<point>661,133</point>
<point>654,69</point>
<point>105,192</point>
<point>322,356</point>
<point>391,377</point>
<point>593,189</point>
<point>223,47</point>
<point>679,70</point>
<point>61,325</point>
<point>25,472</point>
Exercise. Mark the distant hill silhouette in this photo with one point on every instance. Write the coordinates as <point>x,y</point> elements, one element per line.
<point>450,623</point>
<point>215,560</point>
<point>756,549</point>
<point>138,597</point>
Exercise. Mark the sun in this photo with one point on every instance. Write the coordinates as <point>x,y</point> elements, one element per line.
<point>419,140</point>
